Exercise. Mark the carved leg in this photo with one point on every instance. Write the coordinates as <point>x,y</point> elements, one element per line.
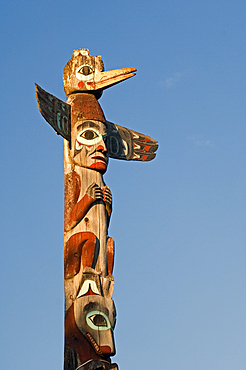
<point>110,255</point>
<point>80,244</point>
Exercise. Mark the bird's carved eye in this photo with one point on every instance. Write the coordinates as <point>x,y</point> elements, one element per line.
<point>89,135</point>
<point>85,70</point>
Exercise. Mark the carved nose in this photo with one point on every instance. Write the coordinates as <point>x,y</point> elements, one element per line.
<point>101,149</point>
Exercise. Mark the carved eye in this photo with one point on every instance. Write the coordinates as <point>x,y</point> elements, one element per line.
<point>98,320</point>
<point>89,135</point>
<point>85,70</point>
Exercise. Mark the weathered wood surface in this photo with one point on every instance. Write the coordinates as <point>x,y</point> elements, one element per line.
<point>90,313</point>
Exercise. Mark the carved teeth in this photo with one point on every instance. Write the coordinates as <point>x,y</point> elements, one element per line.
<point>94,343</point>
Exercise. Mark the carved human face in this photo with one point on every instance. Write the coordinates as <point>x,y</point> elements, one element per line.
<point>88,146</point>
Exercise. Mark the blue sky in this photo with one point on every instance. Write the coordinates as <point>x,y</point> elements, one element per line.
<point>178,221</point>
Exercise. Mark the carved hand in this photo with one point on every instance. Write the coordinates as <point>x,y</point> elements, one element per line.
<point>107,196</point>
<point>94,191</point>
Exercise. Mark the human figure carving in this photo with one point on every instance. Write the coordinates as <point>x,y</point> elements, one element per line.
<point>88,251</point>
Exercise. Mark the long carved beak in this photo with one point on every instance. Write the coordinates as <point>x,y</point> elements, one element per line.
<point>104,80</point>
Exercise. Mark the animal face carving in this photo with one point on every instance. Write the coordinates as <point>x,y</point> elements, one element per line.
<point>95,317</point>
<point>88,145</point>
<point>84,72</point>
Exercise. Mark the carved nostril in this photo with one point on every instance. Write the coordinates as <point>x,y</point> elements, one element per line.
<point>101,149</point>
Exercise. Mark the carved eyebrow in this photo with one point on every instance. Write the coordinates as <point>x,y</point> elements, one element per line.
<point>90,306</point>
<point>88,124</point>
<point>95,306</point>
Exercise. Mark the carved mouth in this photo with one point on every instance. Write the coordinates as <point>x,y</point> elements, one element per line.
<point>94,343</point>
<point>106,350</point>
<point>100,159</point>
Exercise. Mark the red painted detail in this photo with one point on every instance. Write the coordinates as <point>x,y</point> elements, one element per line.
<point>104,197</point>
<point>110,255</point>
<point>80,209</point>
<point>100,162</point>
<point>145,156</point>
<point>72,191</point>
<point>147,139</point>
<point>105,350</point>
<point>146,148</point>
<point>81,84</point>
<point>101,148</point>
<point>90,292</point>
<point>74,212</point>
<point>86,106</point>
<point>79,246</point>
<point>101,167</point>
<point>108,206</point>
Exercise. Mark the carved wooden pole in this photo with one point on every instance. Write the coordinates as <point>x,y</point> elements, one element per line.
<point>88,250</point>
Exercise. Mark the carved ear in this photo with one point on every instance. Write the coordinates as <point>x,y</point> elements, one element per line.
<point>55,111</point>
<point>123,143</point>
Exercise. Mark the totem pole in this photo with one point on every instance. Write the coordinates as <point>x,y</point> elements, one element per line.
<point>89,140</point>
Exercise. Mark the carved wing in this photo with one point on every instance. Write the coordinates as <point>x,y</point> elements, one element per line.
<point>55,111</point>
<point>123,143</point>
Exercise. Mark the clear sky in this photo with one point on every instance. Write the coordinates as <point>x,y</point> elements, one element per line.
<point>179,222</point>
